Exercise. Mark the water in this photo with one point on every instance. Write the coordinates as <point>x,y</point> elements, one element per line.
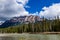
<point>30,37</point>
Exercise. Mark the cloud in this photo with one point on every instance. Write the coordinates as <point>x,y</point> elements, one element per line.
<point>51,11</point>
<point>11,8</point>
<point>23,2</point>
<point>27,6</point>
<point>36,13</point>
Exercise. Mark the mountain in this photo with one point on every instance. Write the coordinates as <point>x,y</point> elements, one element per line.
<point>1,22</point>
<point>32,18</point>
<point>19,20</point>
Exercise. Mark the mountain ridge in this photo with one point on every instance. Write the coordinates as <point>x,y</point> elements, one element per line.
<point>19,20</point>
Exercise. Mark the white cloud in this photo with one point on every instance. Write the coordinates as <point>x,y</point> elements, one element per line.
<point>23,1</point>
<point>51,11</point>
<point>27,6</point>
<point>36,13</point>
<point>11,8</point>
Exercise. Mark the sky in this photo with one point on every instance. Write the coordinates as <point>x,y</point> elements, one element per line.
<point>14,8</point>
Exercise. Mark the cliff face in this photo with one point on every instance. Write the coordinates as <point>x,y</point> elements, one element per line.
<point>32,18</point>
<point>20,20</point>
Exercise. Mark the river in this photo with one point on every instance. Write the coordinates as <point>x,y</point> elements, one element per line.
<point>26,36</point>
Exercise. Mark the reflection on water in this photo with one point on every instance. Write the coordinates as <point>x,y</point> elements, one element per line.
<point>7,38</point>
<point>31,37</point>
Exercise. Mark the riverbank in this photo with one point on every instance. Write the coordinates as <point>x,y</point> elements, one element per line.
<point>42,33</point>
<point>9,34</point>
